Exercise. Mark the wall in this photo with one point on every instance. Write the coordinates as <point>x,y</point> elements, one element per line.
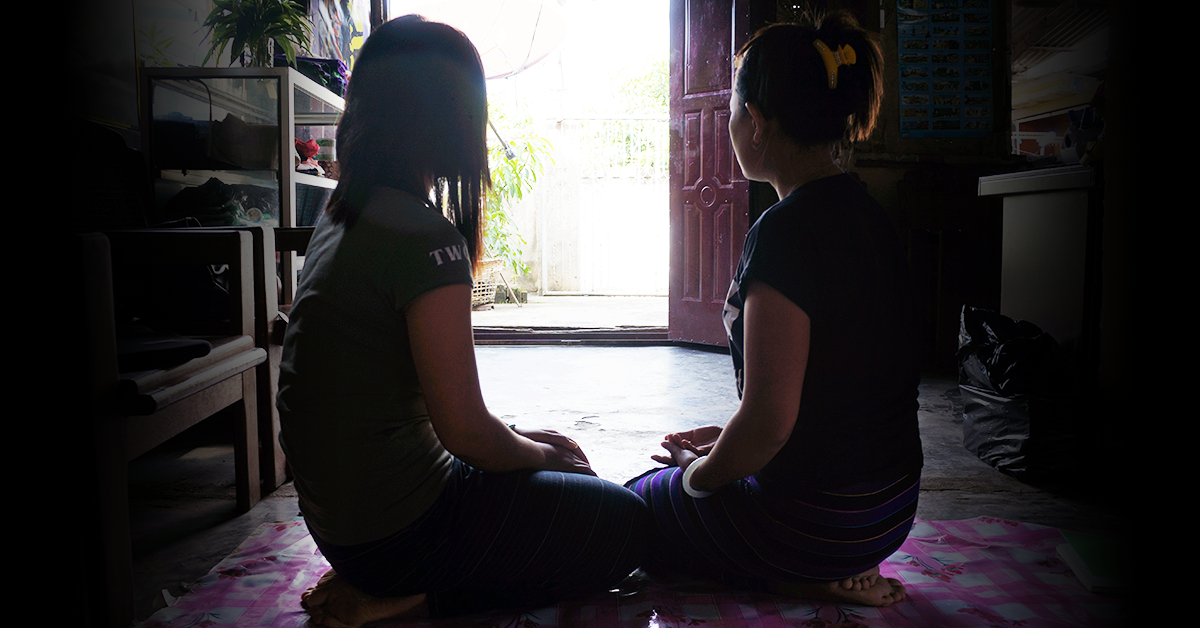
<point>600,214</point>
<point>99,54</point>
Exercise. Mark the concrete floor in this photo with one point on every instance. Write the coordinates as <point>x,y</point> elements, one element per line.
<point>616,402</point>
<point>575,312</point>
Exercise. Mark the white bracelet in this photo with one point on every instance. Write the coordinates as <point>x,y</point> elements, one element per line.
<point>687,481</point>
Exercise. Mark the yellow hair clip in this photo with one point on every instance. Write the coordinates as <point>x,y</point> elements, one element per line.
<point>843,56</point>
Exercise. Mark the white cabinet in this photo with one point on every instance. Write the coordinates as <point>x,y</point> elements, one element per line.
<point>1050,269</point>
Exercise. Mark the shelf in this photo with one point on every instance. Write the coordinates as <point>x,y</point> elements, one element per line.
<point>1040,180</point>
<point>286,74</point>
<point>220,99</point>
<point>262,178</point>
<point>311,88</point>
<point>308,179</point>
<point>318,119</point>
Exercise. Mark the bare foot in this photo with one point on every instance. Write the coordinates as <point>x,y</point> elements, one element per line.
<point>335,603</point>
<point>883,592</point>
<point>864,580</point>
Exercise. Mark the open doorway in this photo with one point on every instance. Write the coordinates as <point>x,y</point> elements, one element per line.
<point>580,151</point>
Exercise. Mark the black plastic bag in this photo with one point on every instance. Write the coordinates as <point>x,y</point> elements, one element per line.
<point>1019,400</point>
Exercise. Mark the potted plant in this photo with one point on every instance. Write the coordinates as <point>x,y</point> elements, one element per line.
<point>253,25</point>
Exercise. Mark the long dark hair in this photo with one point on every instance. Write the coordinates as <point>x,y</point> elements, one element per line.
<point>782,72</point>
<point>416,120</point>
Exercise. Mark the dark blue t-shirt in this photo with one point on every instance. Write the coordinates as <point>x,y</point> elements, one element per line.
<point>830,248</point>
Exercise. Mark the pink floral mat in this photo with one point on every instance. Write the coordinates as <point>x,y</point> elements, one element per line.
<point>969,573</point>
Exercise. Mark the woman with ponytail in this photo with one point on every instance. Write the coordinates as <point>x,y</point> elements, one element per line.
<point>422,501</point>
<point>813,481</point>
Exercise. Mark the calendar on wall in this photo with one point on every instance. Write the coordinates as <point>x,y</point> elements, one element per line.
<point>945,68</point>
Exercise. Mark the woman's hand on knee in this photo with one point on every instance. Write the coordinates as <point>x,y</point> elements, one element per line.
<point>566,459</point>
<point>682,454</point>
<point>550,437</point>
<point>698,441</point>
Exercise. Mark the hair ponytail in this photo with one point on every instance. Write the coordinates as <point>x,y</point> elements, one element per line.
<point>785,73</point>
<point>862,97</point>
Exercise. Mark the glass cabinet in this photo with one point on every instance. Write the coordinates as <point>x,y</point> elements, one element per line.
<point>221,146</point>
<point>220,143</point>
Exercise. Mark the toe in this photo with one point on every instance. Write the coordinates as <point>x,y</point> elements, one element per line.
<point>313,598</point>
<point>329,620</point>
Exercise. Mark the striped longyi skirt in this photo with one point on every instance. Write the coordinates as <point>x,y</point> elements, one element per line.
<point>748,535</point>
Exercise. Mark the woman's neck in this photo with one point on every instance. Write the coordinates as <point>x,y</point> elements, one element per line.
<point>800,165</point>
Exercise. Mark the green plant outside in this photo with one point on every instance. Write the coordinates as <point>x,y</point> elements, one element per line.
<point>254,23</point>
<point>641,91</point>
<point>512,179</point>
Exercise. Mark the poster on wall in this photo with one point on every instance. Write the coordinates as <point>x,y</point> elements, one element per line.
<point>945,68</point>
<point>341,27</point>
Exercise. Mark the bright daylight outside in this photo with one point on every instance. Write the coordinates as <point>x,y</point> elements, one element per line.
<point>578,97</point>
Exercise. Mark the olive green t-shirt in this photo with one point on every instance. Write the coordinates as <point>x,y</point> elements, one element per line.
<point>354,425</point>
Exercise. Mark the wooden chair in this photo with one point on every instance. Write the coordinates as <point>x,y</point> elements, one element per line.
<point>272,301</point>
<point>272,465</point>
<point>131,413</point>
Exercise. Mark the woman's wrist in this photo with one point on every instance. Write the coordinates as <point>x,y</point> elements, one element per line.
<point>687,480</point>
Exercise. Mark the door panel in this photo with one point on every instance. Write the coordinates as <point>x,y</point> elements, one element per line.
<point>709,195</point>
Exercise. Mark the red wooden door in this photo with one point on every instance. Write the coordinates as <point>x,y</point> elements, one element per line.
<point>709,196</point>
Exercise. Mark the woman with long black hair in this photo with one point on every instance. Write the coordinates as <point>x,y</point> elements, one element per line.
<point>424,502</point>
